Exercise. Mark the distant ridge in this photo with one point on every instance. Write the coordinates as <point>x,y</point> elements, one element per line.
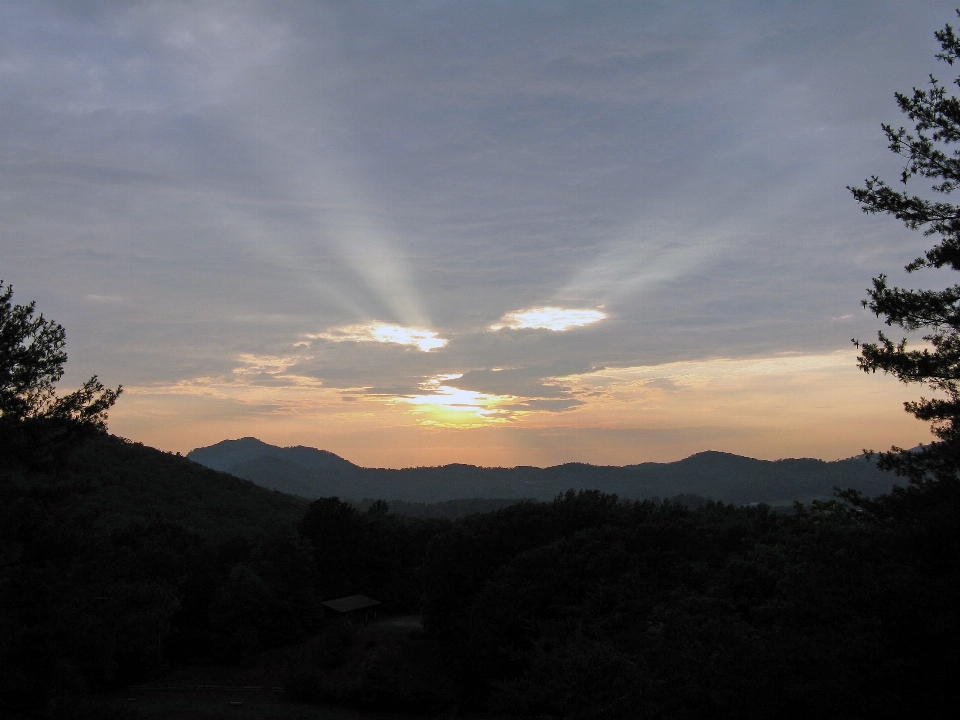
<point>311,473</point>
<point>228,453</point>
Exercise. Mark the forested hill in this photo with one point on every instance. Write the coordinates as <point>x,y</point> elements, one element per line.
<point>119,483</point>
<point>312,473</point>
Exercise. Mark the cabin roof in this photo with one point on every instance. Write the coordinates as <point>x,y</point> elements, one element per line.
<point>350,603</point>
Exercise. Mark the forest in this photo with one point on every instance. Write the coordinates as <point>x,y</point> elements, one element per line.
<point>122,563</point>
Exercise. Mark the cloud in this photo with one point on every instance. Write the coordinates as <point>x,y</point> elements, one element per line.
<point>266,364</point>
<point>245,174</point>
<point>548,318</point>
<point>443,404</point>
<point>425,340</point>
<point>536,385</point>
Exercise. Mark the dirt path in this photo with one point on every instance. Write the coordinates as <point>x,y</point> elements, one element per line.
<point>400,624</point>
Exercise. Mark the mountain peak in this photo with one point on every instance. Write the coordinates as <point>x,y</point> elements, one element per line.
<point>228,454</point>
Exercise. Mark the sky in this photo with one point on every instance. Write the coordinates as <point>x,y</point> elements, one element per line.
<point>500,233</point>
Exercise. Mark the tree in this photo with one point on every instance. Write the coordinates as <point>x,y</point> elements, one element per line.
<point>32,415</point>
<point>935,115</point>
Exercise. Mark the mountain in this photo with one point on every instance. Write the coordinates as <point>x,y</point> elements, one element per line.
<point>286,475</point>
<point>228,453</point>
<point>311,473</point>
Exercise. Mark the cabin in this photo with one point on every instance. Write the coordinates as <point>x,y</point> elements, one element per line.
<point>354,606</point>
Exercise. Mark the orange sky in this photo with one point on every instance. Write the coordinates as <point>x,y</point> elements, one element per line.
<point>785,406</point>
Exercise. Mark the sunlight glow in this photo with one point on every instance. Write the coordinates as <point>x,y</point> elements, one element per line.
<point>768,407</point>
<point>426,340</point>
<point>549,318</point>
<point>451,406</point>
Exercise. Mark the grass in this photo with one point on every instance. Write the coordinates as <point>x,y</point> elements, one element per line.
<point>216,705</point>
<point>335,656</point>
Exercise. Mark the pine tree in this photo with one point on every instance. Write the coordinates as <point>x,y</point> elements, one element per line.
<point>935,115</point>
<point>33,418</point>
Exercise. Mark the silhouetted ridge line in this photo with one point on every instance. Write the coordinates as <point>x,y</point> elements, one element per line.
<point>312,473</point>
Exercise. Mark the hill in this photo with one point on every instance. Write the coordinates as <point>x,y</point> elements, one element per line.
<point>122,483</point>
<point>312,473</point>
<point>121,560</point>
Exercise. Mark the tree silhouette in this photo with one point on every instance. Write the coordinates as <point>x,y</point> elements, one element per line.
<point>32,415</point>
<point>936,118</point>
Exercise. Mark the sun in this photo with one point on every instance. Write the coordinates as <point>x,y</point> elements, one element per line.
<point>450,406</point>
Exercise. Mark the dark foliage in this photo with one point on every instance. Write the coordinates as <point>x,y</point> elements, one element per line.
<point>37,425</point>
<point>935,115</point>
<point>127,561</point>
<point>611,610</point>
<point>374,553</point>
<point>584,607</point>
<point>447,509</point>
